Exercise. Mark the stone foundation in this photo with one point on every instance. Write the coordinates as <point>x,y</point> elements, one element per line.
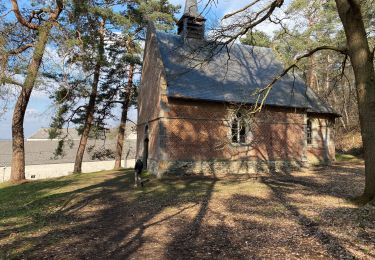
<point>222,167</point>
<point>153,166</point>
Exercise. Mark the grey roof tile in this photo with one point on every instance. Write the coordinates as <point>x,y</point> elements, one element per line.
<point>230,75</point>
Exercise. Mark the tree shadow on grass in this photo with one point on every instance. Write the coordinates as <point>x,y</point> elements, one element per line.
<point>196,190</point>
<point>104,220</point>
<point>26,200</point>
<point>110,219</point>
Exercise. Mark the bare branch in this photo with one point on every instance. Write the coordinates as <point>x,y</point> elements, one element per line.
<point>20,49</point>
<point>58,10</point>
<point>131,121</point>
<point>5,14</point>
<point>263,92</point>
<point>28,23</point>
<point>256,21</point>
<point>21,19</point>
<point>343,51</point>
<point>240,10</point>
<point>38,13</point>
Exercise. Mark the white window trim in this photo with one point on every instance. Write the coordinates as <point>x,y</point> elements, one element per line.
<point>312,132</point>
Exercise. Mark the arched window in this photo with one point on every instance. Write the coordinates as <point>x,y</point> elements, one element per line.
<point>238,130</point>
<point>309,131</point>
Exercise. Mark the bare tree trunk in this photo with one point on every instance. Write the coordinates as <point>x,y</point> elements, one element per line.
<point>311,82</point>
<point>345,107</point>
<point>124,116</point>
<point>18,145</point>
<point>363,66</point>
<point>311,78</point>
<point>91,105</point>
<point>327,79</point>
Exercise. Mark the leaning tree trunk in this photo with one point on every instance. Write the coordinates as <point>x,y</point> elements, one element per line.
<point>18,145</point>
<point>124,116</point>
<point>91,105</point>
<point>89,120</point>
<point>363,66</point>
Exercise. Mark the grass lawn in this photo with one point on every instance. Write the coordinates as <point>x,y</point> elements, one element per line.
<point>305,215</point>
<point>340,157</point>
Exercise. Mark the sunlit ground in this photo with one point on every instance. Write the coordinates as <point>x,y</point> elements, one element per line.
<point>100,215</point>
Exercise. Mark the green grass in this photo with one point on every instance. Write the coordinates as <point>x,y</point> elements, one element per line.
<point>38,206</point>
<point>34,206</point>
<point>33,200</point>
<point>346,158</point>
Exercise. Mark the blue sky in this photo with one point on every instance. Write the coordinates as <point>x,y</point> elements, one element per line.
<point>40,111</point>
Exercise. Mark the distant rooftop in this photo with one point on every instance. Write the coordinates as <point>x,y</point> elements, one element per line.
<point>40,149</point>
<point>43,133</point>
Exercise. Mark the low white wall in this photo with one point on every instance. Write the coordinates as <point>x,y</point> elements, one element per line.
<point>44,171</point>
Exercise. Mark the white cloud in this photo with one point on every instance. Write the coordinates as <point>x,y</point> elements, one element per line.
<point>32,112</point>
<point>40,94</point>
<point>38,115</point>
<point>34,119</point>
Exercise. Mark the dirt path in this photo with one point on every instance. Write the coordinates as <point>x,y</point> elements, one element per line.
<point>298,216</point>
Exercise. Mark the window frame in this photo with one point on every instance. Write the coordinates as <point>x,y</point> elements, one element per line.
<point>239,126</point>
<point>309,132</point>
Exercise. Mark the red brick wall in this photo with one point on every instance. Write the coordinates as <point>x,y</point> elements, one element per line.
<point>152,77</point>
<point>201,131</point>
<point>149,96</point>
<point>153,136</point>
<point>322,140</point>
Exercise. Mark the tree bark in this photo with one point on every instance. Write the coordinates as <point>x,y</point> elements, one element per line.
<point>311,82</point>
<point>363,66</point>
<point>328,78</point>
<point>18,145</point>
<point>91,105</point>
<point>124,116</point>
<point>311,73</point>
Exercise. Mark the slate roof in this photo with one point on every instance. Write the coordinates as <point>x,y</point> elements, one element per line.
<point>231,80</point>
